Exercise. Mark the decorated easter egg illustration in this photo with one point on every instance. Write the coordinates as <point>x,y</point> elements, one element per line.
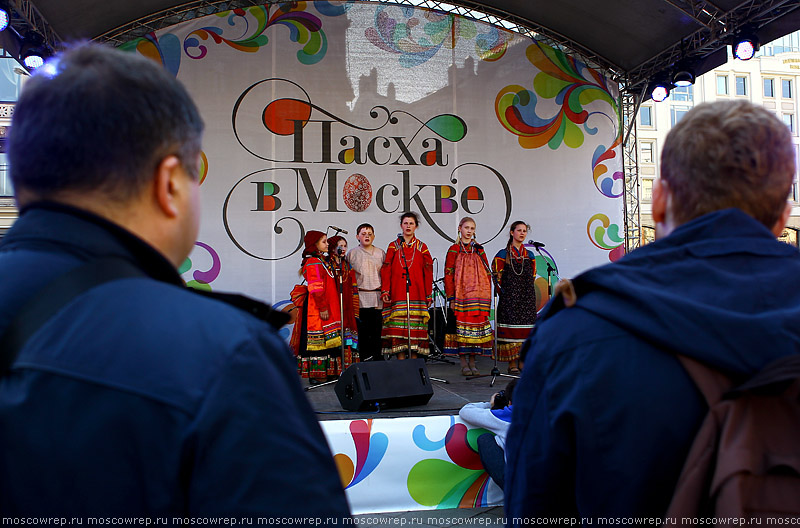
<point>357,193</point>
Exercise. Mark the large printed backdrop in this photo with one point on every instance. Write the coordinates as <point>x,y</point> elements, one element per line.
<point>336,113</point>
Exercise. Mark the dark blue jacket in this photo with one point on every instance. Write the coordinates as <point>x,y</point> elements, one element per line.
<point>604,414</point>
<point>142,397</point>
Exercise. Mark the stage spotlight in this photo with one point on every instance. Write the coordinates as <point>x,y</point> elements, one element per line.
<point>33,51</point>
<point>33,60</point>
<point>3,19</point>
<point>745,48</point>
<point>660,92</point>
<point>683,77</point>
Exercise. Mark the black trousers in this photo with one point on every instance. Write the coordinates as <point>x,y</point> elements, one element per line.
<point>370,324</point>
<point>492,458</point>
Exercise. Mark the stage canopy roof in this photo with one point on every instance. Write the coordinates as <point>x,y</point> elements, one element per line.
<point>635,41</point>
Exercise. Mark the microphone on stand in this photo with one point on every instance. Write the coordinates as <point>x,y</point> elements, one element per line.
<point>339,229</point>
<point>536,245</point>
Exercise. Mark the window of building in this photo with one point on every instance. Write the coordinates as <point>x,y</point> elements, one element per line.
<point>646,152</point>
<point>769,87</point>
<point>5,181</point>
<point>786,88</point>
<point>682,93</point>
<point>646,116</point>
<point>795,191</point>
<point>789,120</point>
<point>741,85</point>
<point>722,85</point>
<point>677,113</point>
<point>10,80</point>
<point>647,189</point>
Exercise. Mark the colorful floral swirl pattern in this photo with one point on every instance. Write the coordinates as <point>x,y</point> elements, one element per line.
<point>369,453</point>
<point>333,9</point>
<point>443,484</point>
<point>416,39</point>
<point>165,50</point>
<point>571,83</point>
<point>606,236</point>
<point>203,279</point>
<point>203,169</point>
<point>304,28</point>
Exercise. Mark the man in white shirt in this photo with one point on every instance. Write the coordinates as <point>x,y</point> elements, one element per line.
<point>367,259</point>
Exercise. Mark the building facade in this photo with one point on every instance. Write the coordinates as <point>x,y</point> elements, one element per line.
<point>770,79</point>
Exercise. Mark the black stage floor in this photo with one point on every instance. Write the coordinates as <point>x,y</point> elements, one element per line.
<point>447,398</point>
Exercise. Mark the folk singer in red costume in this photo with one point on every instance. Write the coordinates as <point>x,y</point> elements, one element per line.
<point>337,249</point>
<point>406,251</point>
<point>317,337</point>
<point>467,283</point>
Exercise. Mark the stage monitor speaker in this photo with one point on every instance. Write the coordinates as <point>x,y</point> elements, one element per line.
<point>398,383</point>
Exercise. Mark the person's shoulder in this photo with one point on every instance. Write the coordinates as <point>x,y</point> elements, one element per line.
<point>193,319</point>
<point>169,343</point>
<point>501,254</point>
<point>557,333</point>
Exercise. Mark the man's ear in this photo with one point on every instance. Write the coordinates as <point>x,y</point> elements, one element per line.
<point>659,202</point>
<point>777,229</point>
<point>167,185</point>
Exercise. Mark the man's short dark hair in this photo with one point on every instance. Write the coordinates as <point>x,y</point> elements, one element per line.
<point>100,119</point>
<point>364,226</point>
<point>729,154</point>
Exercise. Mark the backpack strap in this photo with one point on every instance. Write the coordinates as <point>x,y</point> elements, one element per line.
<point>712,383</point>
<point>50,299</point>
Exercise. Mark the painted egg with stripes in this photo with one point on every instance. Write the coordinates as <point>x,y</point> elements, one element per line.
<point>357,193</point>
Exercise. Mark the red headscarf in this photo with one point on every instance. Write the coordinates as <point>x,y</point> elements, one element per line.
<point>310,240</point>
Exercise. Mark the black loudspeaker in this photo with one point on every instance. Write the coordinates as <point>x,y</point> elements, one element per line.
<point>399,383</point>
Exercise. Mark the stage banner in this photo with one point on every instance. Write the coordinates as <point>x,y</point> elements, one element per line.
<point>323,114</point>
<point>407,464</point>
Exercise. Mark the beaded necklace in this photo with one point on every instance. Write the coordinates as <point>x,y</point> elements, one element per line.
<point>470,245</point>
<point>413,246</point>
<point>514,257</point>
<point>325,264</point>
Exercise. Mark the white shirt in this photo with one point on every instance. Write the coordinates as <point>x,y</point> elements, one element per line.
<point>368,274</point>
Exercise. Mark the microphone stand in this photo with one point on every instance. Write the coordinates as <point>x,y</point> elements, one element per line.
<point>495,371</point>
<point>551,271</point>
<point>436,353</point>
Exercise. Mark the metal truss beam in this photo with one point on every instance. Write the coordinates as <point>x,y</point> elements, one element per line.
<point>630,162</point>
<point>466,8</point>
<point>169,17</point>
<point>24,17</point>
<point>718,28</point>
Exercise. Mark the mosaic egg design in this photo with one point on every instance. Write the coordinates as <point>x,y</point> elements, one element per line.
<point>357,193</point>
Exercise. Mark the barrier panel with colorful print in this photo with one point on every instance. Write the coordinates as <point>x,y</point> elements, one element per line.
<point>405,464</point>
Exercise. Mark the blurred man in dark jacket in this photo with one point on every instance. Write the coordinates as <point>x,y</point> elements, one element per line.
<point>138,396</point>
<point>605,414</point>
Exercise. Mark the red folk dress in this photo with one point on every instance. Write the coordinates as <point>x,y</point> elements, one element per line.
<point>395,312</point>
<point>351,306</point>
<point>467,282</point>
<point>318,342</point>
